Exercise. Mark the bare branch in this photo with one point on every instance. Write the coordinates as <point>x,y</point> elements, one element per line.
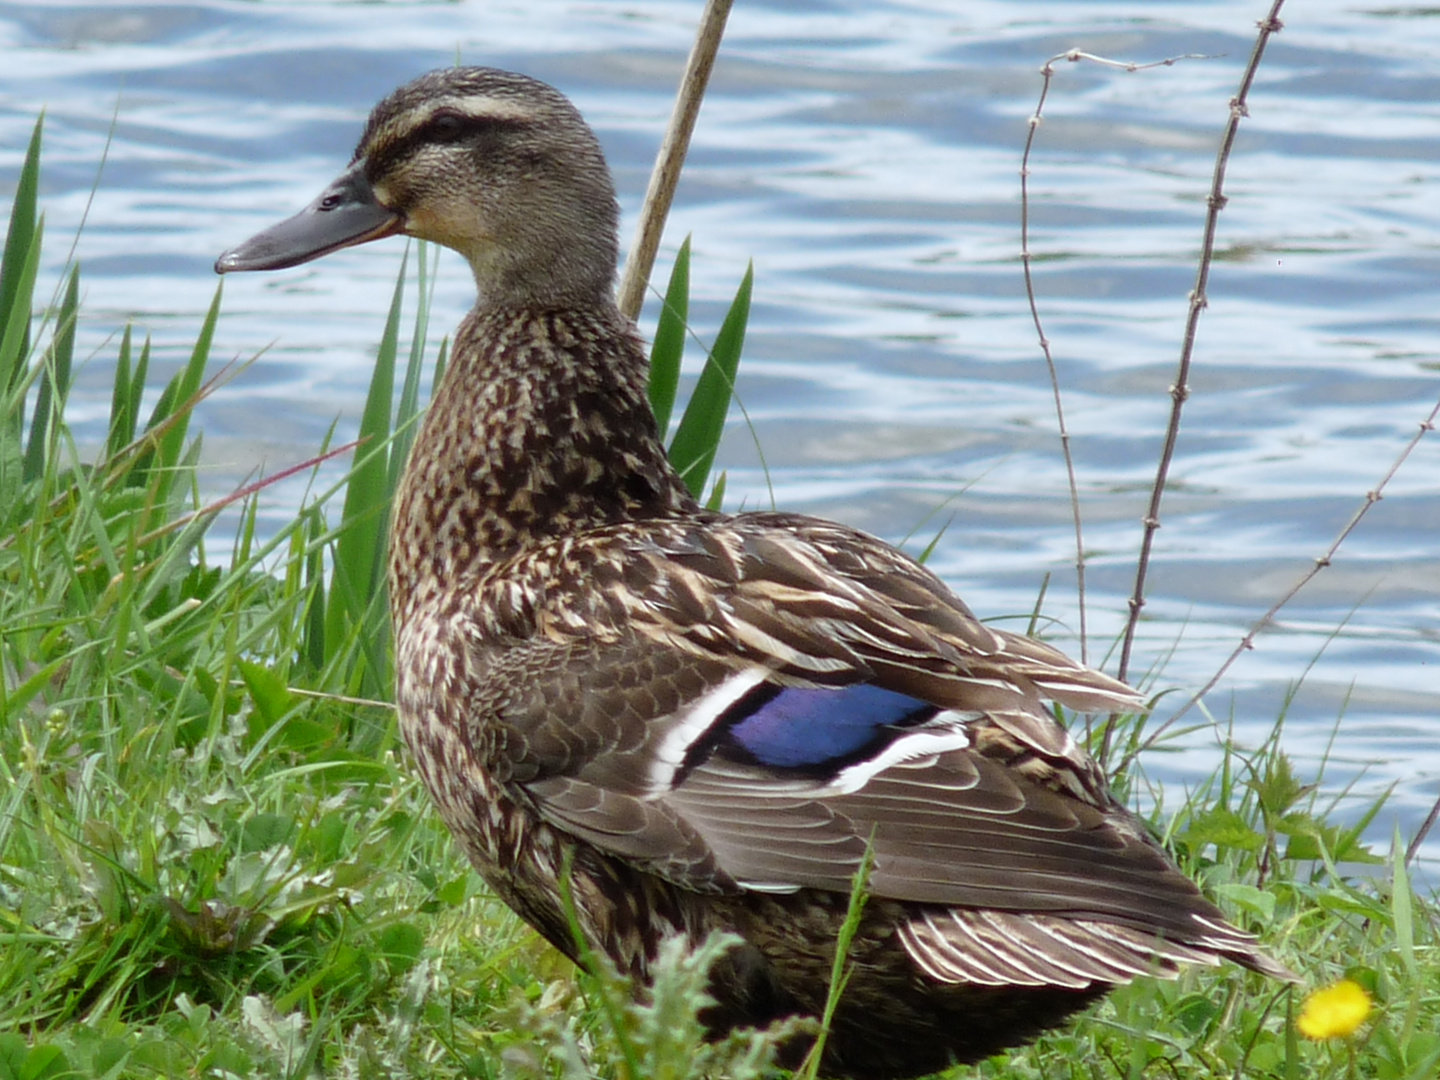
<point>1198,300</point>
<point>1048,71</point>
<point>1180,391</point>
<point>1420,834</point>
<point>1321,562</point>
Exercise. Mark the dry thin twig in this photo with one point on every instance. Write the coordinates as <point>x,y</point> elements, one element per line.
<point>671,157</point>
<point>1248,641</point>
<point>1419,838</point>
<point>1180,391</point>
<point>1048,71</point>
<point>254,487</point>
<point>1198,300</point>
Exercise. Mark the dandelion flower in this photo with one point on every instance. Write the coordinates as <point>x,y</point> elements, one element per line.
<point>1334,1011</point>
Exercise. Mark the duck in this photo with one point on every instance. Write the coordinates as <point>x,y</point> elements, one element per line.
<point>670,721</point>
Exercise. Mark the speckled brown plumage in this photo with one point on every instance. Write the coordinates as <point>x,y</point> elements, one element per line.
<point>708,717</point>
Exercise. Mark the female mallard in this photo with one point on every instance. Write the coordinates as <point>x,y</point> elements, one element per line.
<point>706,717</point>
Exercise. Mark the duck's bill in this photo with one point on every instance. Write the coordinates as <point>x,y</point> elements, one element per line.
<point>345,214</point>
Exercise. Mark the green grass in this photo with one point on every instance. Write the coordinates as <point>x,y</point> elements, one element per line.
<point>214,861</point>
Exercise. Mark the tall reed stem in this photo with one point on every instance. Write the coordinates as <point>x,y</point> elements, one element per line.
<point>661,192</point>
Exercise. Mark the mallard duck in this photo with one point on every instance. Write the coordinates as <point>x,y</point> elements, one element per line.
<point>705,718</point>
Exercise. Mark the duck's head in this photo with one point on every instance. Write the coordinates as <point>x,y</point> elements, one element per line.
<point>498,166</point>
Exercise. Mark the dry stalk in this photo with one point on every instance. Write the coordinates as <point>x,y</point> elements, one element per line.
<point>666,174</point>
<point>1048,72</point>
<point>1419,838</point>
<point>1321,562</point>
<point>1198,300</point>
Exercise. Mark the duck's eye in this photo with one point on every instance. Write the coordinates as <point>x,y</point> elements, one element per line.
<point>447,127</point>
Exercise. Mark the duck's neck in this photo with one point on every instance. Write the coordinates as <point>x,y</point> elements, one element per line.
<point>540,429</point>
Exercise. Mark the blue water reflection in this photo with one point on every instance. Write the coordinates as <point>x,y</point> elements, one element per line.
<point>866,157</point>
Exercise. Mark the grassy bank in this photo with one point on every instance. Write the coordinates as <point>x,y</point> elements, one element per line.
<point>215,862</point>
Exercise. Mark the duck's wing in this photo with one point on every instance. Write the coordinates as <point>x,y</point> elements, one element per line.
<point>749,704</point>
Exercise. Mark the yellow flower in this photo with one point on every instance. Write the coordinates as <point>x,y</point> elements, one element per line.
<point>1334,1011</point>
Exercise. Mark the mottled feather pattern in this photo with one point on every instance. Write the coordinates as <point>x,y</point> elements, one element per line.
<point>485,480</point>
<point>602,645</point>
<point>587,696</point>
<point>694,585</point>
<point>689,721</point>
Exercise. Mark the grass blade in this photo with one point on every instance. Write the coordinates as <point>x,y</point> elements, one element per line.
<point>22,250</point>
<point>409,407</point>
<point>172,411</point>
<point>692,451</point>
<point>717,494</point>
<point>55,379</point>
<point>1401,905</point>
<point>359,548</point>
<point>840,968</point>
<point>120,399</point>
<point>668,349</point>
<point>15,342</point>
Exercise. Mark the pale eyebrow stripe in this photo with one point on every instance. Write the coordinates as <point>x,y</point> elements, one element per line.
<point>495,106</point>
<point>474,106</point>
<point>398,138</point>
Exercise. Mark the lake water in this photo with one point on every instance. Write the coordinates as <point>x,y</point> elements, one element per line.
<point>865,155</point>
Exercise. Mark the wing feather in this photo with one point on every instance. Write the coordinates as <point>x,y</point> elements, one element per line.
<point>988,823</point>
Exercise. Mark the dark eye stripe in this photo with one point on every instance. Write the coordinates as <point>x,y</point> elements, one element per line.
<point>445,128</point>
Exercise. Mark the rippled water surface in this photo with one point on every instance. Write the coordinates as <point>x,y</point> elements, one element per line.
<point>865,155</point>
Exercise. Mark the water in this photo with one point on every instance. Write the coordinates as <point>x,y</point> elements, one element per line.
<point>866,156</point>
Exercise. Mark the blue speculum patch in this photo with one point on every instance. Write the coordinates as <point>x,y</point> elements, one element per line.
<point>805,728</point>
